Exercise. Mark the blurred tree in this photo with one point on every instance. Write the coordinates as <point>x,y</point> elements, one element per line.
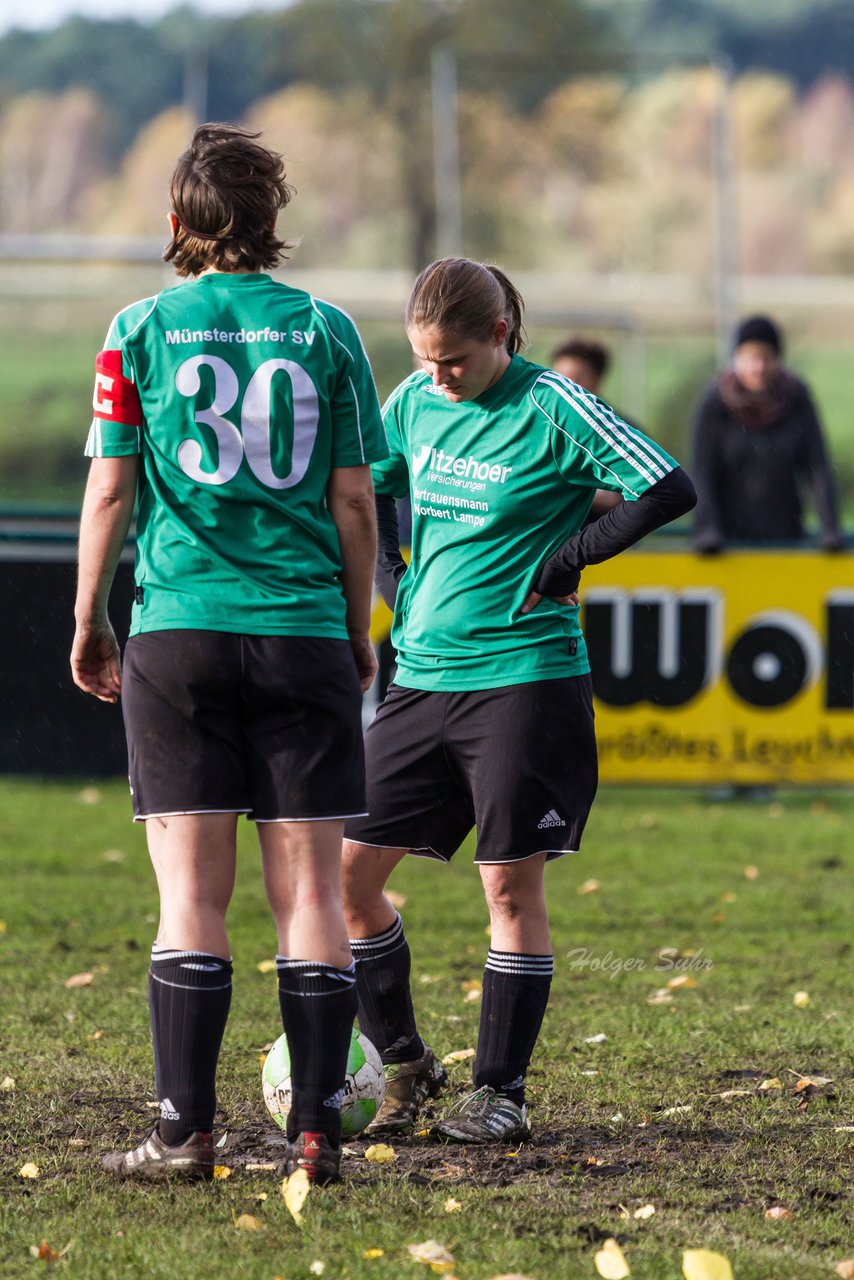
<point>124,63</point>
<point>135,201</point>
<point>50,155</point>
<point>339,154</point>
<point>763,114</point>
<point>387,47</point>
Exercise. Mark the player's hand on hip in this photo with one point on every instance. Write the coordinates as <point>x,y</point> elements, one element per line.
<point>95,661</point>
<point>534,598</point>
<point>366,658</point>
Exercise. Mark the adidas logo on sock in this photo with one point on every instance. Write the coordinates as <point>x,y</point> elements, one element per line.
<point>550,819</point>
<point>168,1110</point>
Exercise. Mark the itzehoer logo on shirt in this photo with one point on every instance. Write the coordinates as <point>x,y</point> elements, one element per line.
<point>470,468</point>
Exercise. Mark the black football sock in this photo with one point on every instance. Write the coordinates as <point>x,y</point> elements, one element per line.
<point>383,964</point>
<point>318,1004</point>
<point>189,993</point>
<point>515,995</point>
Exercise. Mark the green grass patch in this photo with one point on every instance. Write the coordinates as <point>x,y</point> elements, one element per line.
<point>633,1119</point>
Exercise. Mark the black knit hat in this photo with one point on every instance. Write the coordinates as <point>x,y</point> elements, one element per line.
<point>759,329</point>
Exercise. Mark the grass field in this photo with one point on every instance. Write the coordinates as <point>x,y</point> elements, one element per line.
<point>667,1109</point>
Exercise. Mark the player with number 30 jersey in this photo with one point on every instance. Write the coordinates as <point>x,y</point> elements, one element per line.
<point>241,416</point>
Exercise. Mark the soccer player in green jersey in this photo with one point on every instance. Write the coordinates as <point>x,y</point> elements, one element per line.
<point>241,415</point>
<point>489,722</point>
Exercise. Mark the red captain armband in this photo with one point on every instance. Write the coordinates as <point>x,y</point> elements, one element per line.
<point>116,398</point>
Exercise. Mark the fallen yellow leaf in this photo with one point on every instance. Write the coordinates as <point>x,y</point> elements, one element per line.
<point>734,1093</point>
<point>3,926</point>
<point>728,897</point>
<point>777,1211</point>
<point>246,1222</point>
<point>397,900</point>
<point>113,855</point>
<point>644,1212</point>
<point>266,966</point>
<point>811,1082</point>
<point>610,1261</point>
<point>452,1206</point>
<point>845,1269</point>
<point>773,1083</point>
<point>457,1055</point>
<point>367,1254</point>
<point>7,1084</point>
<point>89,795</point>
<point>679,1111</point>
<point>750,873</point>
<point>432,1253</point>
<point>705,1264</point>
<point>262,1195</point>
<point>295,1189</point>
<point>95,1035</point>
<point>221,1172</point>
<point>29,1170</point>
<point>801,999</point>
<point>589,886</point>
<point>380,1153</point>
<point>79,980</point>
<point>472,997</point>
<point>317,1267</point>
<point>681,980</point>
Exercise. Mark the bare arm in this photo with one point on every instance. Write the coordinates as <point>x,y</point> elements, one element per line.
<point>350,497</point>
<point>104,522</point>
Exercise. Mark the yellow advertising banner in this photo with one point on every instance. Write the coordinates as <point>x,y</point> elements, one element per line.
<point>737,668</point>
<point>730,669</point>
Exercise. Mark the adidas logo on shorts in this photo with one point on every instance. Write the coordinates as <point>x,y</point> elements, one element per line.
<point>550,819</point>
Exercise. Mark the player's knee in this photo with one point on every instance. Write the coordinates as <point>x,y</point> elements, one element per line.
<point>503,898</point>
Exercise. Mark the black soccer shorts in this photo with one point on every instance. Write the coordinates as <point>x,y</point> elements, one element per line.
<point>519,763</point>
<point>264,725</point>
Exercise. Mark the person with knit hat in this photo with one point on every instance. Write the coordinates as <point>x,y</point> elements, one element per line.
<point>758,444</point>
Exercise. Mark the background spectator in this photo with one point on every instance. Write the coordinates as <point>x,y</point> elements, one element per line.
<point>582,361</point>
<point>757,442</point>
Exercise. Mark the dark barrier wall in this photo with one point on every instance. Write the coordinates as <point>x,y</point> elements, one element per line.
<point>47,726</point>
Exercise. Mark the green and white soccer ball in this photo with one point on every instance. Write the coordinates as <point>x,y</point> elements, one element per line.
<point>364,1084</point>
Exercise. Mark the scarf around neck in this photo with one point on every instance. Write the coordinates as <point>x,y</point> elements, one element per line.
<point>758,409</point>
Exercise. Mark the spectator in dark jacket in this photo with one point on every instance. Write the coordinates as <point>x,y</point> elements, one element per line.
<point>757,444</point>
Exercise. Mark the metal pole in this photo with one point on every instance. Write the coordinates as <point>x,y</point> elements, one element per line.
<point>446,153</point>
<point>726,229</point>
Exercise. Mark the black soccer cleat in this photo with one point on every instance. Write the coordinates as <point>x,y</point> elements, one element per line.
<point>314,1153</point>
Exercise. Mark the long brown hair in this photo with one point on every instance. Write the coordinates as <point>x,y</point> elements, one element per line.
<point>226,191</point>
<point>457,295</point>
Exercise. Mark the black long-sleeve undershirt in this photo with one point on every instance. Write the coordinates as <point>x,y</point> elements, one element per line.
<point>619,528</point>
<point>560,575</point>
<point>391,565</point>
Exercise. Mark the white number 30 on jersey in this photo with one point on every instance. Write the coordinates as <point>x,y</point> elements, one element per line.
<point>253,439</point>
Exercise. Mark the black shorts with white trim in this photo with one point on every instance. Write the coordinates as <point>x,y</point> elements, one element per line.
<point>519,763</point>
<point>219,722</point>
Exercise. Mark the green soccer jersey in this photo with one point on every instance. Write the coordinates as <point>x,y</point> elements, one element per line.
<point>240,394</point>
<point>497,484</point>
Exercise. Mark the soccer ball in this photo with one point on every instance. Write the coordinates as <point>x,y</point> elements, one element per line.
<point>364,1084</point>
